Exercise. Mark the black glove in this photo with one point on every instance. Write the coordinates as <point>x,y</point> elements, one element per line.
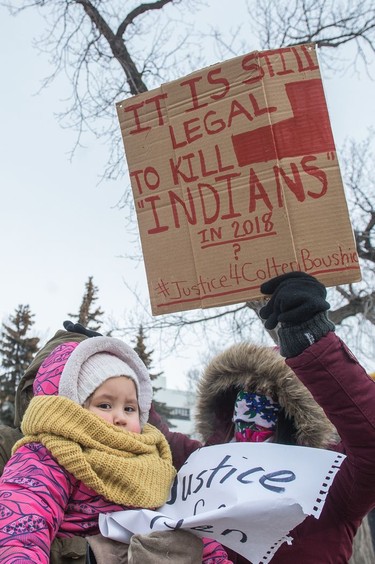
<point>298,303</point>
<point>78,328</point>
<point>296,297</point>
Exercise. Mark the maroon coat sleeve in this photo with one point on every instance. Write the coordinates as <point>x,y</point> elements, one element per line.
<point>181,445</point>
<point>343,389</point>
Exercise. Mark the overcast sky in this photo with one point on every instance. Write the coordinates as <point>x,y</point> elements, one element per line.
<point>58,226</point>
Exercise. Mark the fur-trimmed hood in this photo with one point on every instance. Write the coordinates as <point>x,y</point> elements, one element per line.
<point>257,369</point>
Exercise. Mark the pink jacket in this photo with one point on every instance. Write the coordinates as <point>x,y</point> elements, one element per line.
<point>39,499</point>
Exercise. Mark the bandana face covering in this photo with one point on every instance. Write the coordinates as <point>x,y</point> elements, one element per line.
<point>254,417</point>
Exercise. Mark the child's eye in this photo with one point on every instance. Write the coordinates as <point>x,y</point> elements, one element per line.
<point>129,409</point>
<point>104,405</point>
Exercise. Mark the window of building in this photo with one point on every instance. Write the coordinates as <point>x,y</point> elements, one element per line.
<point>180,413</point>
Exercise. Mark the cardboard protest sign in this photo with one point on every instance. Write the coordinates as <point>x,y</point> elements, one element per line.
<point>247,496</point>
<point>235,180</point>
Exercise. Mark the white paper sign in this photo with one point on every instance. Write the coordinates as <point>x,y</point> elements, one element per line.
<point>247,496</point>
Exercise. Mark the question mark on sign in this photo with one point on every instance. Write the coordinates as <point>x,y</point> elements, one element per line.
<point>236,250</point>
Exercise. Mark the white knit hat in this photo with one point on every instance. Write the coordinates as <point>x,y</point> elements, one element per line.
<point>97,369</point>
<point>95,360</point>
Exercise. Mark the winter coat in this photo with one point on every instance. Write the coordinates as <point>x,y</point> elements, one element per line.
<point>70,550</point>
<point>326,375</point>
<point>322,392</point>
<point>48,501</point>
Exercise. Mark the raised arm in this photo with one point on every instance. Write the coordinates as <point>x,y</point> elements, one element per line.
<point>337,381</point>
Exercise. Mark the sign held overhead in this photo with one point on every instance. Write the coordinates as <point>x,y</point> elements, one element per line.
<point>235,180</point>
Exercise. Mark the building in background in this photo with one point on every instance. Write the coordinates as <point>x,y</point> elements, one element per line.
<point>181,403</point>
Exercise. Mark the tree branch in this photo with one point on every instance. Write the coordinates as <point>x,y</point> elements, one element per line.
<point>117,46</point>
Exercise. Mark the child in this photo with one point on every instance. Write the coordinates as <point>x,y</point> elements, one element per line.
<point>87,449</point>
<point>69,550</point>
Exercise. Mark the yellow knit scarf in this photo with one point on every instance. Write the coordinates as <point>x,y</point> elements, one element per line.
<point>133,469</point>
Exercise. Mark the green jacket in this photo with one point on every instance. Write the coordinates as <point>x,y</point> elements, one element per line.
<point>63,551</point>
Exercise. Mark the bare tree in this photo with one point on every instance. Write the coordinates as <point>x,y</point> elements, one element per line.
<point>329,23</point>
<point>358,163</point>
<point>110,50</point>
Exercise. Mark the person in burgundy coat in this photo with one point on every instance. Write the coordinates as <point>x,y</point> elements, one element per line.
<point>311,392</point>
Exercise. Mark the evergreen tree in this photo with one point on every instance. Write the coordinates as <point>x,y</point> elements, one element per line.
<point>17,350</point>
<point>146,357</point>
<point>88,316</point>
